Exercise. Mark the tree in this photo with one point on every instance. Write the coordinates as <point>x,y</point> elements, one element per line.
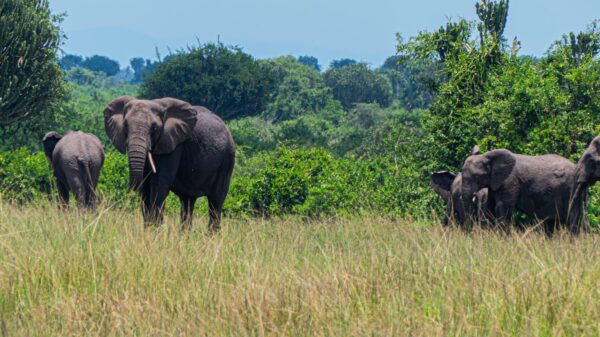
<point>137,64</point>
<point>30,77</point>
<point>413,81</point>
<point>103,64</point>
<point>142,68</point>
<point>70,61</point>
<point>337,64</point>
<point>299,89</point>
<point>310,61</point>
<point>492,15</point>
<point>82,75</point>
<point>358,84</point>
<point>224,79</point>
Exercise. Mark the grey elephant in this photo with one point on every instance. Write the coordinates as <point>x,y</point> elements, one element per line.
<point>543,187</point>
<point>587,173</point>
<point>76,160</point>
<point>173,146</point>
<point>448,185</point>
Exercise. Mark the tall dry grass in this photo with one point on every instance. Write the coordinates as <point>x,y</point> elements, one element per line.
<point>65,274</point>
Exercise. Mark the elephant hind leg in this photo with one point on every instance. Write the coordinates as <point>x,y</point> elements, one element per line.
<point>216,198</point>
<point>187,211</point>
<point>90,198</point>
<point>76,185</point>
<point>215,207</point>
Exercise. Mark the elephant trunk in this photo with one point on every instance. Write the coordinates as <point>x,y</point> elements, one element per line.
<point>577,202</point>
<point>469,200</point>
<point>138,151</point>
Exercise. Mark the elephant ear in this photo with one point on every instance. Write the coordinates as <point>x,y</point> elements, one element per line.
<point>49,141</point>
<point>502,163</point>
<point>114,118</point>
<point>441,182</point>
<point>179,119</point>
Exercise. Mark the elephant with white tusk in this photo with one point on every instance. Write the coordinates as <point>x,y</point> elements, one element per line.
<point>173,146</point>
<point>549,188</point>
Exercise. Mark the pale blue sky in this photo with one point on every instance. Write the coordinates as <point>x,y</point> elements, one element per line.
<point>327,29</point>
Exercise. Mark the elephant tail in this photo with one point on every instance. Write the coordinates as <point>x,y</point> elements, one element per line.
<point>86,174</point>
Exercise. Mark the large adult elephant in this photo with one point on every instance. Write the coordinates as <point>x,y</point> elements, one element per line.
<point>173,146</point>
<point>539,186</point>
<point>76,159</point>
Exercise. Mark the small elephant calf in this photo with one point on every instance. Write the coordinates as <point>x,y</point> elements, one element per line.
<point>76,159</point>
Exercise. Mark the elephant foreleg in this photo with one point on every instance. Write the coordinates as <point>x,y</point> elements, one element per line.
<point>157,185</point>
<point>147,204</point>
<point>550,226</point>
<point>504,213</point>
<point>447,215</point>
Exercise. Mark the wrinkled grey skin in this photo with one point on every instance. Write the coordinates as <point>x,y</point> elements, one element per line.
<point>192,148</point>
<point>539,186</point>
<point>76,159</point>
<point>449,186</point>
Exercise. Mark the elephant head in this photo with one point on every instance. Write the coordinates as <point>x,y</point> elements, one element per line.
<point>449,186</point>
<point>485,171</point>
<point>147,127</point>
<point>587,173</point>
<point>588,167</point>
<point>49,141</point>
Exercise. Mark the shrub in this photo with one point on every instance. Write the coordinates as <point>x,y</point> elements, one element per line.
<point>24,176</point>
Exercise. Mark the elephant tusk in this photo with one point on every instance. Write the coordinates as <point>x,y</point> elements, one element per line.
<point>151,162</point>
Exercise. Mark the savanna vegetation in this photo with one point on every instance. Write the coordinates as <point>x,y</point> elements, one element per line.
<point>331,226</point>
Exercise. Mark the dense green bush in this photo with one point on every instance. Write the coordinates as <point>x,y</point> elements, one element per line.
<point>24,176</point>
<point>314,182</point>
<point>308,182</point>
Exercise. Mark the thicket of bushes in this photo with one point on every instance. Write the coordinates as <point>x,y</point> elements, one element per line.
<point>307,182</point>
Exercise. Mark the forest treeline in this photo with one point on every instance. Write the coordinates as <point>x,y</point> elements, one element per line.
<point>350,138</point>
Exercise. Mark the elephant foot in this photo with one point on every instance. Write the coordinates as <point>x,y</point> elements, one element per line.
<point>214,228</point>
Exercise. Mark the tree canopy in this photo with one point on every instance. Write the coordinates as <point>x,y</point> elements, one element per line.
<point>299,89</point>
<point>357,83</point>
<point>100,63</point>
<point>337,64</point>
<point>310,61</point>
<point>224,79</point>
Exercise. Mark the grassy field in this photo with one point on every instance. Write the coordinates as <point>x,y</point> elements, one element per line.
<point>71,275</point>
